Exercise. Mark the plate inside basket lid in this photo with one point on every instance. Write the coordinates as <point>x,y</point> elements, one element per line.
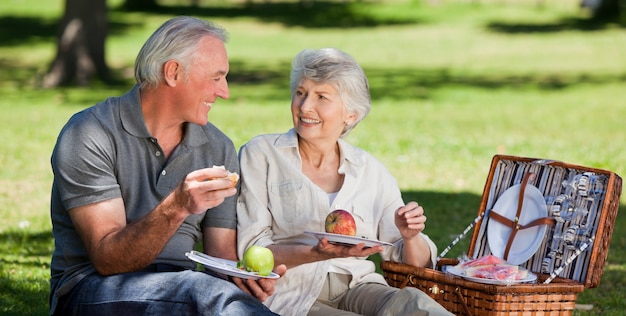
<point>527,240</point>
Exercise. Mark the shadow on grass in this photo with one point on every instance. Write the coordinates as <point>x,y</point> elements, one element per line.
<point>318,14</point>
<point>272,84</point>
<point>448,214</point>
<point>26,248</point>
<point>24,30</point>
<point>308,14</point>
<point>416,83</point>
<point>565,24</point>
<point>26,296</point>
<point>24,272</point>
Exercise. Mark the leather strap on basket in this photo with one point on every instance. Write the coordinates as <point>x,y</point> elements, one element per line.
<point>409,279</point>
<point>459,295</point>
<point>514,224</point>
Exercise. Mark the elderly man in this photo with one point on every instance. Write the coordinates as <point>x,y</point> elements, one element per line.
<point>135,189</point>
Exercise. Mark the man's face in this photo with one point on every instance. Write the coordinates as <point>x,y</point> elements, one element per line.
<point>204,81</point>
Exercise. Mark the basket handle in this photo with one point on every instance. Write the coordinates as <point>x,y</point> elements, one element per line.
<point>466,309</point>
<point>410,279</point>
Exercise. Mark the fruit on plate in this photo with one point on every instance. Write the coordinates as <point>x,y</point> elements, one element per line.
<point>340,222</point>
<point>232,176</point>
<point>257,259</point>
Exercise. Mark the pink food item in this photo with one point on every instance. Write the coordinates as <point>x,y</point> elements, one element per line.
<point>484,260</point>
<point>492,267</point>
<point>500,272</point>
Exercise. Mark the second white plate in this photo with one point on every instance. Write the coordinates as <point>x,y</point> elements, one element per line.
<point>225,266</point>
<point>347,240</point>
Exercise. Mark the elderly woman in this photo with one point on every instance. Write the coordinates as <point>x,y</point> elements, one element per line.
<point>292,181</point>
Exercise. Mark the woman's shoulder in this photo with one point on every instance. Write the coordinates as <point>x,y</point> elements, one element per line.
<point>269,140</point>
<point>365,161</point>
<point>358,155</point>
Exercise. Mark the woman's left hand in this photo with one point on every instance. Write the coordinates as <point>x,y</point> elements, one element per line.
<point>410,220</point>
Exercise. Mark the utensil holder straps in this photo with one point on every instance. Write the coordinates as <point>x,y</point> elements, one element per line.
<point>514,224</point>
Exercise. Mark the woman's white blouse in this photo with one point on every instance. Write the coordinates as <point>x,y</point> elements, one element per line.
<point>277,203</point>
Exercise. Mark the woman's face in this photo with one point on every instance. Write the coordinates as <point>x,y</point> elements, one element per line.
<point>318,112</point>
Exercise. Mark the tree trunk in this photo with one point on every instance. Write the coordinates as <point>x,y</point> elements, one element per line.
<point>609,9</point>
<point>604,9</point>
<point>80,45</point>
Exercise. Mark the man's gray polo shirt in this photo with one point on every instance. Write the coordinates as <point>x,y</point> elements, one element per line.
<point>106,152</point>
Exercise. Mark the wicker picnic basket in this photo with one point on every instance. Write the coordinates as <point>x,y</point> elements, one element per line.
<point>565,263</point>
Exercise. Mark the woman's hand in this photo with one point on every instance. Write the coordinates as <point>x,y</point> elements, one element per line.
<point>261,288</point>
<point>330,250</point>
<point>410,220</point>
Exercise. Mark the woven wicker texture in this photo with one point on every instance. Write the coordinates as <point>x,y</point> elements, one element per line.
<point>463,297</point>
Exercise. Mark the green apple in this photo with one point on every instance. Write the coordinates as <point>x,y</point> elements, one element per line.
<point>258,259</point>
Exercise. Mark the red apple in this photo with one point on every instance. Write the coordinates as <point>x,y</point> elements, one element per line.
<point>340,222</point>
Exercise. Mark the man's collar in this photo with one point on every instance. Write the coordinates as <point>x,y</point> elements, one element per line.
<point>134,123</point>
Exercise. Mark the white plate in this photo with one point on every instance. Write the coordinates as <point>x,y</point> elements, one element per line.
<point>348,240</point>
<point>225,266</point>
<point>530,277</point>
<point>526,241</point>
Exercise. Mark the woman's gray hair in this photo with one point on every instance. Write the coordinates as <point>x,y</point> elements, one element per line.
<point>177,39</point>
<point>335,67</point>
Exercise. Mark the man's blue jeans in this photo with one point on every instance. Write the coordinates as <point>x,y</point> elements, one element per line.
<point>159,293</point>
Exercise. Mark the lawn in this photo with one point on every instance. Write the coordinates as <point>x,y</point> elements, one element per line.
<point>453,83</point>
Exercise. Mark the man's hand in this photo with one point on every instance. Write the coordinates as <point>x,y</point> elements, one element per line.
<point>203,189</point>
<point>261,288</point>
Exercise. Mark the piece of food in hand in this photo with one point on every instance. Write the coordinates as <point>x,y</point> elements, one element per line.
<point>232,176</point>
<point>257,259</point>
<point>340,222</point>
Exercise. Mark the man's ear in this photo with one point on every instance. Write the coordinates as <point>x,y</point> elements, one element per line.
<point>172,72</point>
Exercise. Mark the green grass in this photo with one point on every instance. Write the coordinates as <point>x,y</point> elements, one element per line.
<point>452,85</point>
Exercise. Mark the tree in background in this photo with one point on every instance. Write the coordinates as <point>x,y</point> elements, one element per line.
<point>604,9</point>
<point>81,41</point>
